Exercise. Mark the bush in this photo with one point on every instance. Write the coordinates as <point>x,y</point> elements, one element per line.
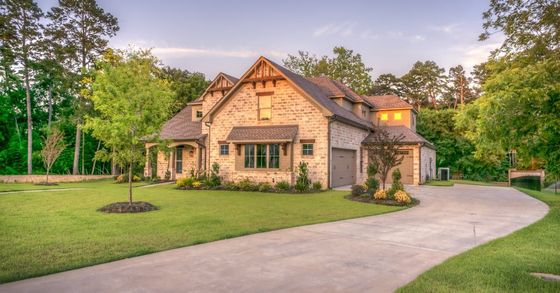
<point>282,186</point>
<point>231,186</point>
<point>402,197</point>
<point>167,176</point>
<point>265,187</point>
<point>358,190</point>
<point>247,185</point>
<point>397,184</point>
<point>184,182</point>
<point>123,178</point>
<point>302,179</point>
<point>317,186</point>
<point>380,194</point>
<point>372,184</point>
<point>197,184</point>
<point>214,179</point>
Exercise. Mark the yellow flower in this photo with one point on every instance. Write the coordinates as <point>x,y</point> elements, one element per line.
<point>380,194</point>
<point>402,197</point>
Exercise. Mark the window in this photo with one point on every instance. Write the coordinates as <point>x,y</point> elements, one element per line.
<point>307,149</point>
<point>198,114</point>
<point>398,116</point>
<point>261,156</point>
<point>274,156</point>
<point>224,149</point>
<point>364,113</point>
<point>179,160</point>
<point>265,107</point>
<point>249,156</point>
<point>384,116</point>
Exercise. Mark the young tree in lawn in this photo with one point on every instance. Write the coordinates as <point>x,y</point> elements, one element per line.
<point>131,103</point>
<point>81,29</point>
<point>383,151</point>
<point>53,145</point>
<point>21,32</point>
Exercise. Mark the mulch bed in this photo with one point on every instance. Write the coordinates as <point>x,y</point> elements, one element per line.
<point>126,207</point>
<point>46,184</point>
<point>387,202</point>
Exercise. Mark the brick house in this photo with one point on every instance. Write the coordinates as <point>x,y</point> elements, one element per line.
<point>263,124</point>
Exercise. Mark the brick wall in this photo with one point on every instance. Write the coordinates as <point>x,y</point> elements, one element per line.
<point>345,136</point>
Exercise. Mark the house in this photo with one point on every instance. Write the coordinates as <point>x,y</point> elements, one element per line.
<point>263,124</point>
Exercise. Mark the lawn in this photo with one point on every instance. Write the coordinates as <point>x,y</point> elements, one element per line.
<point>503,265</point>
<point>469,182</point>
<point>439,183</point>
<point>47,232</point>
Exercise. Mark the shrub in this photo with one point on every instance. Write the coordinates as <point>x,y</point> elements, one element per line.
<point>197,184</point>
<point>402,197</point>
<point>317,186</point>
<point>358,190</point>
<point>372,184</point>
<point>371,170</point>
<point>380,194</point>
<point>247,185</point>
<point>214,179</point>
<point>123,178</point>
<point>185,182</point>
<point>282,186</point>
<point>231,186</point>
<point>167,176</point>
<point>265,187</point>
<point>302,180</point>
<point>397,184</point>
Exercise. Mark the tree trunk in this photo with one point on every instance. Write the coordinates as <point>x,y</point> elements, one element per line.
<point>130,184</point>
<point>47,181</point>
<point>94,160</point>
<point>29,125</point>
<point>83,146</point>
<point>75,166</point>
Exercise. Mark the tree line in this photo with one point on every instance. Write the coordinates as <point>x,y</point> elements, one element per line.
<point>47,60</point>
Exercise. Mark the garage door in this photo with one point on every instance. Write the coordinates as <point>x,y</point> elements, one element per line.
<point>343,167</point>
<point>406,168</point>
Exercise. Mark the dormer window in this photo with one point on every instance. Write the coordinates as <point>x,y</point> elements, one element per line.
<point>198,114</point>
<point>398,116</point>
<point>265,107</point>
<point>364,113</point>
<point>384,116</point>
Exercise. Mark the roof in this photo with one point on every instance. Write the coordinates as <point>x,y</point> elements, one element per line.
<point>230,78</point>
<point>277,133</point>
<point>387,102</point>
<point>321,95</point>
<point>337,89</point>
<point>409,136</point>
<point>181,126</point>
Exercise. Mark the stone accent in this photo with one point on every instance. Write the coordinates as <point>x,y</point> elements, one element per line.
<point>52,178</point>
<point>345,136</point>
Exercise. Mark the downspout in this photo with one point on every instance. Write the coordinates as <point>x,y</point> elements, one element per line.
<point>207,163</point>
<point>329,151</point>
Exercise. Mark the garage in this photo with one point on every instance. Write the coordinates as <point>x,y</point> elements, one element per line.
<point>343,167</point>
<point>406,168</point>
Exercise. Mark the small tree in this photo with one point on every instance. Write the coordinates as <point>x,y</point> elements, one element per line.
<point>383,151</point>
<point>53,145</point>
<point>371,182</point>
<point>302,180</point>
<point>131,103</point>
<point>396,185</point>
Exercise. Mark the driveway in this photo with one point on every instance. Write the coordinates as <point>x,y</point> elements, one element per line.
<point>373,254</point>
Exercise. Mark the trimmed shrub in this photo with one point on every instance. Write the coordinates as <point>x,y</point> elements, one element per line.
<point>372,184</point>
<point>397,184</point>
<point>123,178</point>
<point>197,184</point>
<point>302,179</point>
<point>184,182</point>
<point>167,176</point>
<point>214,178</point>
<point>247,185</point>
<point>402,197</point>
<point>317,186</point>
<point>380,194</point>
<point>358,190</point>
<point>230,186</point>
<point>282,186</point>
<point>265,187</point>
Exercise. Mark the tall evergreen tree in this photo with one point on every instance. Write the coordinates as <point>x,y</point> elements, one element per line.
<point>21,32</point>
<point>81,29</point>
<point>424,83</point>
<point>460,86</point>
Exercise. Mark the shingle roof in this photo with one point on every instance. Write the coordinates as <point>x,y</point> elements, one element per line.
<point>388,102</point>
<point>181,126</point>
<point>263,133</point>
<point>231,78</point>
<point>321,95</point>
<point>409,136</point>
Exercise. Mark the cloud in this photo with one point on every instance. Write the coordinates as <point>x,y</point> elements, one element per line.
<point>446,28</point>
<point>418,38</point>
<point>369,35</point>
<point>344,29</point>
<point>182,52</point>
<point>476,54</point>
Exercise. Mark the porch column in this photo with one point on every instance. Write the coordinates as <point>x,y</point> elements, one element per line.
<point>172,162</point>
<point>148,167</point>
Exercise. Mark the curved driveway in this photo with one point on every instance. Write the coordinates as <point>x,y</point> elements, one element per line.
<point>373,254</point>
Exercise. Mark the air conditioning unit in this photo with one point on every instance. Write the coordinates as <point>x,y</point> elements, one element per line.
<point>443,174</point>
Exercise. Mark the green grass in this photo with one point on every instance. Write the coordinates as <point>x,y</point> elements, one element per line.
<point>439,183</point>
<point>49,232</point>
<point>503,265</point>
<point>483,183</point>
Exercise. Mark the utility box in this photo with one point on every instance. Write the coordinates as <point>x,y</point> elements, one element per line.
<point>443,174</point>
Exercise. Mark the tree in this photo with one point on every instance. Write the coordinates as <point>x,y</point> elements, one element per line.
<point>53,145</point>
<point>81,29</point>
<point>346,67</point>
<point>460,86</point>
<point>387,84</point>
<point>186,85</point>
<point>383,151</point>
<point>132,103</point>
<point>21,32</point>
<point>424,83</point>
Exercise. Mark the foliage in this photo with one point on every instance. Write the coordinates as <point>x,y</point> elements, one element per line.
<point>317,186</point>
<point>383,151</point>
<point>186,85</point>
<point>424,83</point>
<point>131,104</point>
<point>123,178</point>
<point>230,185</point>
<point>302,177</point>
<point>214,178</point>
<point>282,185</point>
<point>346,67</point>
<point>358,189</point>
<point>371,182</point>
<point>247,185</point>
<point>53,146</point>
<point>197,184</point>
<point>396,185</point>
<point>380,194</point>
<point>402,197</point>
<point>265,187</point>
<point>185,182</point>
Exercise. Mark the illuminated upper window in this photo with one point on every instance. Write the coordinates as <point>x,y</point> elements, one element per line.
<point>398,116</point>
<point>265,107</point>
<point>384,116</point>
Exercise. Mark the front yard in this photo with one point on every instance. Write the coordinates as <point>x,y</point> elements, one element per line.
<point>503,265</point>
<point>47,232</point>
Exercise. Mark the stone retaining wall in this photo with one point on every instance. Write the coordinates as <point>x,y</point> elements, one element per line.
<point>52,178</point>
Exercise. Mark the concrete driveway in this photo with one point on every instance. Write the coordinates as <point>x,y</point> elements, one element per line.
<point>373,254</point>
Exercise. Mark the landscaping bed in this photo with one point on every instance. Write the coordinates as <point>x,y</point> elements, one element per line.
<point>126,207</point>
<point>367,198</point>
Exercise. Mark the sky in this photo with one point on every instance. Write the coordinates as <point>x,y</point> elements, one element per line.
<point>228,36</point>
